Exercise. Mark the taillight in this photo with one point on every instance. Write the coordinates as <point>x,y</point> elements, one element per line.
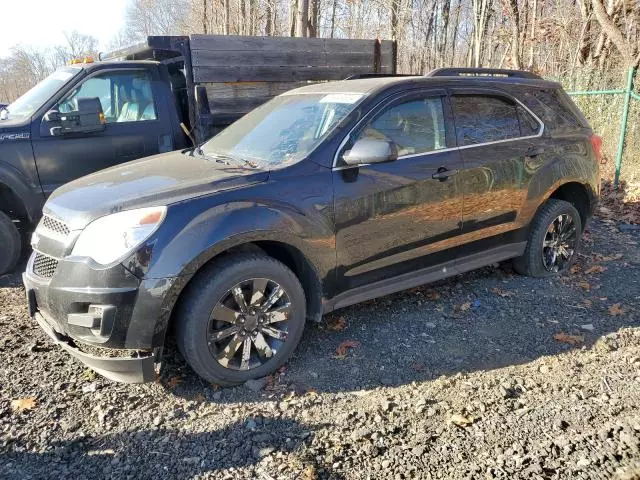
<point>596,143</point>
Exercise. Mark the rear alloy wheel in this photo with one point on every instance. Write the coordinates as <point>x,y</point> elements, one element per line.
<point>10,243</point>
<point>559,243</point>
<point>553,241</point>
<point>241,318</point>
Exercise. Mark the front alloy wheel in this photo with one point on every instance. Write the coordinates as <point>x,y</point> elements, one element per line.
<point>240,318</point>
<point>248,325</point>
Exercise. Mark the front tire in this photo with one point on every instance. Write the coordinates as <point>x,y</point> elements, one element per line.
<point>553,240</point>
<point>11,244</point>
<point>241,318</point>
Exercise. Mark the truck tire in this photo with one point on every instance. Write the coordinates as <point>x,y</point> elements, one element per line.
<point>11,244</point>
<point>241,318</point>
<point>553,240</point>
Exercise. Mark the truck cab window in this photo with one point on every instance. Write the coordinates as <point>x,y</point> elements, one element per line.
<point>124,96</point>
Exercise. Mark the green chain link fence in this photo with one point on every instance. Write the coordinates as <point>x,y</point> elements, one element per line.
<point>601,116</point>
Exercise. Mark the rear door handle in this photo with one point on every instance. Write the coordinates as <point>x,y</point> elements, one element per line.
<point>443,173</point>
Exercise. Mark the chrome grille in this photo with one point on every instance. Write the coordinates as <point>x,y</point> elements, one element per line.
<point>44,266</point>
<point>55,225</point>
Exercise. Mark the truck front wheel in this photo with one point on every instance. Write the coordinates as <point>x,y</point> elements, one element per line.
<point>11,245</point>
<point>241,318</point>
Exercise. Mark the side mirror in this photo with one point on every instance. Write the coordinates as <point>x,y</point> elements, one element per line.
<point>371,150</point>
<point>88,118</point>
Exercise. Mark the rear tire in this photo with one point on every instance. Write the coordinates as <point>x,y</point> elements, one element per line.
<point>550,249</point>
<point>11,244</point>
<point>214,331</point>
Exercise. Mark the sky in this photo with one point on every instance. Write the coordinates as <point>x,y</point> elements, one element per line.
<point>42,23</point>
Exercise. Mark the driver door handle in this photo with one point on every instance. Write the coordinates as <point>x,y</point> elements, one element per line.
<point>443,174</point>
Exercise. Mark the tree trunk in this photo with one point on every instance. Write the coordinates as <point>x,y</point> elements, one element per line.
<point>303,23</point>
<point>628,52</point>
<point>227,17</point>
<point>333,18</point>
<point>314,23</point>
<point>293,17</point>
<point>444,30</point>
<point>454,37</point>
<point>512,8</point>
<point>395,11</point>
<point>268,30</point>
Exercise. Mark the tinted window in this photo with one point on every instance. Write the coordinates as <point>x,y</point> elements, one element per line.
<point>415,127</point>
<point>528,124</point>
<point>553,110</point>
<point>482,118</point>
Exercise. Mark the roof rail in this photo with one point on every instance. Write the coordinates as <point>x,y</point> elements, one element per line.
<point>358,76</point>
<point>482,72</point>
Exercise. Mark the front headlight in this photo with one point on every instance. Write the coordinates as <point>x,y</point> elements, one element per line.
<point>112,237</point>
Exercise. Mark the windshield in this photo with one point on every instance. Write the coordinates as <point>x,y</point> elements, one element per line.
<point>27,104</point>
<point>283,130</point>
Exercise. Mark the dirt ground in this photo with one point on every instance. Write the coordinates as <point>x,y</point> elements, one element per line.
<point>486,375</point>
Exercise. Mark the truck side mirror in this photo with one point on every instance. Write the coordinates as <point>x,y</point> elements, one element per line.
<point>88,118</point>
<point>371,150</point>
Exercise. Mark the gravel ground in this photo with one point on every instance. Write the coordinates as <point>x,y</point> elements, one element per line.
<point>487,375</point>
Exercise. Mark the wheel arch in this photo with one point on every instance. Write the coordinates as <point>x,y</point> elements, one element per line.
<point>287,253</point>
<point>17,198</point>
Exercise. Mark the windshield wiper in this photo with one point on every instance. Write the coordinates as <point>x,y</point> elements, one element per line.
<point>244,161</point>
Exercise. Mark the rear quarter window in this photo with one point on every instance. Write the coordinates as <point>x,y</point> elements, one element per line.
<point>554,110</point>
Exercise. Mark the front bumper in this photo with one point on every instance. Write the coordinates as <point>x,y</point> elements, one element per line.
<point>112,309</point>
<point>126,370</point>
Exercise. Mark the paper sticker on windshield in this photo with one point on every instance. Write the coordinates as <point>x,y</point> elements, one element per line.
<point>347,98</point>
<point>61,75</point>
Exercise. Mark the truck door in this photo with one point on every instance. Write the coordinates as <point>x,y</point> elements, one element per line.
<point>136,126</point>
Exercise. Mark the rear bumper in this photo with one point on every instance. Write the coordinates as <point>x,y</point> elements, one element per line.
<point>127,370</point>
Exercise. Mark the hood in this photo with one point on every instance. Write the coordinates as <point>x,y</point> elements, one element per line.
<point>157,180</point>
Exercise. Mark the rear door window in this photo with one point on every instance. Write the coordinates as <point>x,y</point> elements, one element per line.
<point>490,118</point>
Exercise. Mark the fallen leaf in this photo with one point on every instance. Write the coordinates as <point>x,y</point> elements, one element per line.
<point>174,382</point>
<point>585,285</point>
<point>199,398</point>
<point>282,369</point>
<point>609,258</point>
<point>433,295</point>
<point>341,351</point>
<point>465,306</point>
<point>337,324</point>
<point>616,309</point>
<point>22,404</point>
<point>587,302</point>
<point>289,396</point>
<point>575,268</point>
<point>461,420</point>
<point>309,473</point>
<point>569,339</point>
<point>502,293</point>
<point>595,269</point>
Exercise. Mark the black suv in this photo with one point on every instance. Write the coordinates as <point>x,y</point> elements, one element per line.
<point>323,197</point>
